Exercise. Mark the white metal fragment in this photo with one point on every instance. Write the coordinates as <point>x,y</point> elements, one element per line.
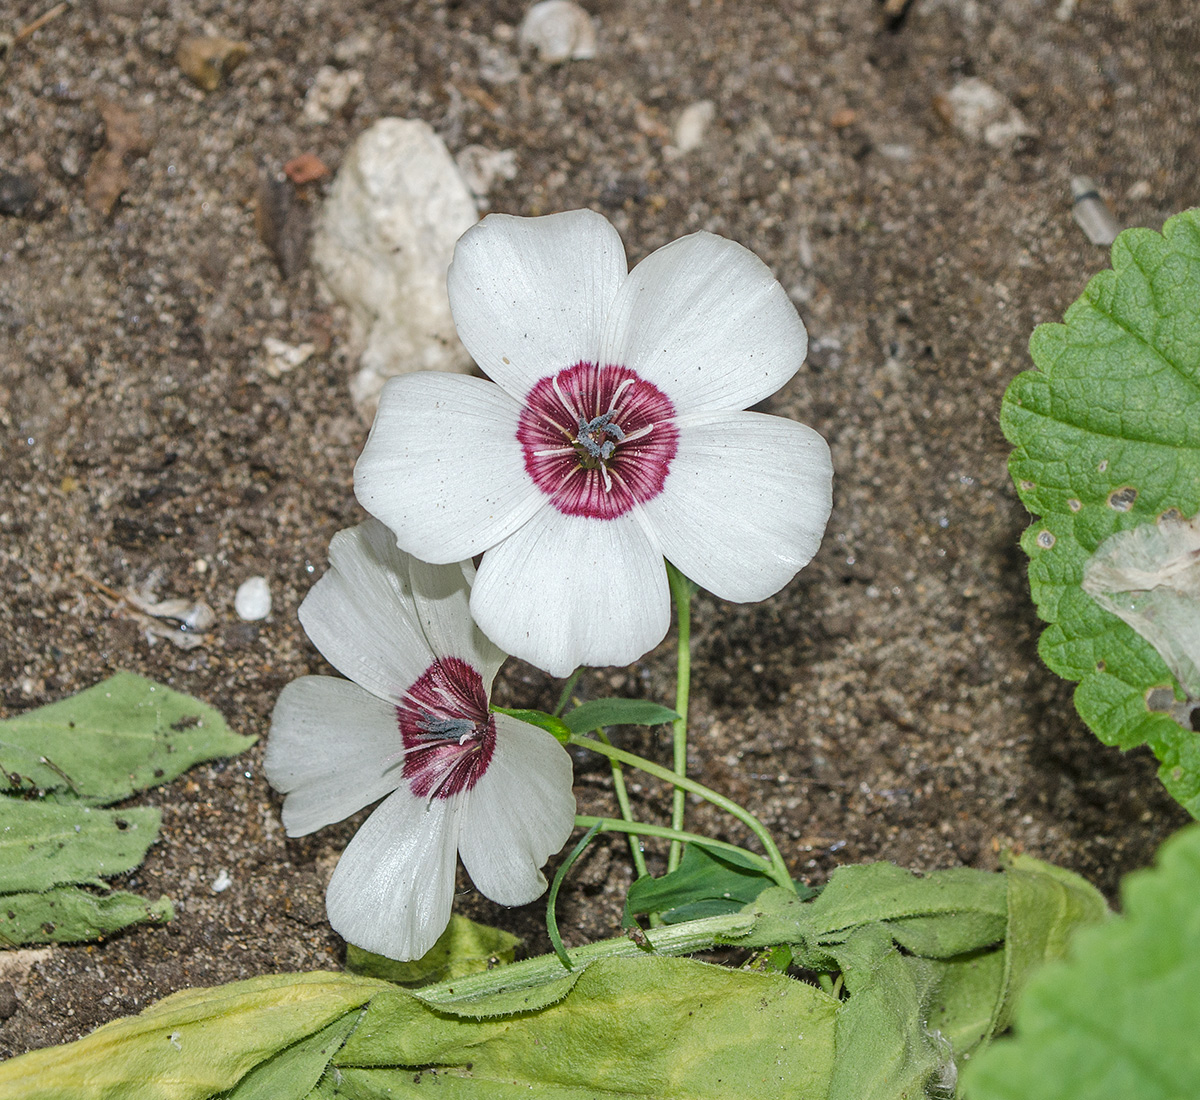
<point>1091,213</point>
<point>252,601</point>
<point>1149,576</point>
<point>560,30</point>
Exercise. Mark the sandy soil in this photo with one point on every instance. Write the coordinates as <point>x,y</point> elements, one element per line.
<point>889,704</point>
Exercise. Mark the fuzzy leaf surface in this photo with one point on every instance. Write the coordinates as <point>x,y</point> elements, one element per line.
<point>1106,437</point>
<point>597,713</point>
<point>1120,1015</point>
<point>68,914</point>
<point>51,844</point>
<point>122,735</point>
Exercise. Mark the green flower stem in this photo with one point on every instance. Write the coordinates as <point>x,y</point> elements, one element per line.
<point>779,871</point>
<point>609,824</point>
<point>670,939</point>
<point>568,687</point>
<point>635,843</point>
<point>681,591</point>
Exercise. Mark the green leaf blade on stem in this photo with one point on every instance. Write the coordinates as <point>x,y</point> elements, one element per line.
<point>1106,437</point>
<point>1120,1015</point>
<point>67,914</point>
<point>53,844</point>
<point>551,723</point>
<point>598,713</point>
<point>122,735</point>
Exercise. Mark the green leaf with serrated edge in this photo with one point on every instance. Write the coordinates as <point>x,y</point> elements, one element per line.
<point>642,1027</point>
<point>464,948</point>
<point>52,844</point>
<point>548,722</point>
<point>705,884</point>
<point>1120,1015</point>
<point>192,1045</point>
<point>293,1073</point>
<point>1106,437</point>
<point>123,735</point>
<point>597,713</point>
<point>68,914</point>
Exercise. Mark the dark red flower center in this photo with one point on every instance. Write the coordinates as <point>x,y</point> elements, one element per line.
<point>449,736</point>
<point>597,440</point>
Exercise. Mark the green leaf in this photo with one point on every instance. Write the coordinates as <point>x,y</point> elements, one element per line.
<point>294,1073</point>
<point>1120,1015</point>
<point>548,722</point>
<point>192,1045</point>
<point>68,914</point>
<point>49,844</point>
<point>597,713</point>
<point>123,735</point>
<point>706,883</point>
<point>464,948</point>
<point>634,1027</point>
<point>1106,438</point>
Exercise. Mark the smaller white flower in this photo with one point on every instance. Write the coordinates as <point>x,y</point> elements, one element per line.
<point>413,726</point>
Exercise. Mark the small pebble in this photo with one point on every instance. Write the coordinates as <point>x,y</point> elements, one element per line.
<point>16,193</point>
<point>559,30</point>
<point>208,61</point>
<point>692,125</point>
<point>480,167</point>
<point>253,600</point>
<point>8,1000</point>
<point>222,882</point>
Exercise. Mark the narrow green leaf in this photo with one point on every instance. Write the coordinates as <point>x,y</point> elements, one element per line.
<point>1120,1015</point>
<point>1106,437</point>
<point>548,722</point>
<point>555,886</point>
<point>705,884</point>
<point>192,1045</point>
<point>123,735</point>
<point>597,713</point>
<point>464,948</point>
<point>642,1027</point>
<point>68,914</point>
<point>51,844</point>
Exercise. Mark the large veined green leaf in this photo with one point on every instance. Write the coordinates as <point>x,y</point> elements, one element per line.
<point>1106,437</point>
<point>123,735</point>
<point>1120,1016</point>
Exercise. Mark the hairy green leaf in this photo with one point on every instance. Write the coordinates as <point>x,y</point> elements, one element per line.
<point>294,1072</point>
<point>192,1045</point>
<point>641,1027</point>
<point>121,736</point>
<point>1120,1015</point>
<point>597,713</point>
<point>50,844</point>
<point>68,914</point>
<point>464,948</point>
<point>1106,438</point>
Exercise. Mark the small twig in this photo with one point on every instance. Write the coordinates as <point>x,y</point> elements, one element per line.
<point>40,22</point>
<point>111,593</point>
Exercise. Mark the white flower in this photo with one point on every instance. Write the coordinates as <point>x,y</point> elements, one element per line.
<point>611,438</point>
<point>413,726</point>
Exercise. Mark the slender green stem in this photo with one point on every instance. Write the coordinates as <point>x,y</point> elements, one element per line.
<point>635,844</point>
<point>681,590</point>
<point>568,687</point>
<point>670,939</point>
<point>779,871</point>
<point>642,828</point>
<point>551,916</point>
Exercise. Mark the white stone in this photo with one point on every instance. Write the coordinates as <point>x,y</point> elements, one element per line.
<point>981,113</point>
<point>692,124</point>
<point>481,167</point>
<point>383,244</point>
<point>559,30</point>
<point>253,600</point>
<point>222,882</point>
<point>282,357</point>
<point>330,92</point>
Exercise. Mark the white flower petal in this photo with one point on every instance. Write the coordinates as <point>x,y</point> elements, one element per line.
<point>705,320</point>
<point>566,591</point>
<point>530,295</point>
<point>745,503</point>
<point>442,466</point>
<point>361,614</point>
<point>393,887</point>
<point>331,750</point>
<point>442,595</point>
<point>519,813</point>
